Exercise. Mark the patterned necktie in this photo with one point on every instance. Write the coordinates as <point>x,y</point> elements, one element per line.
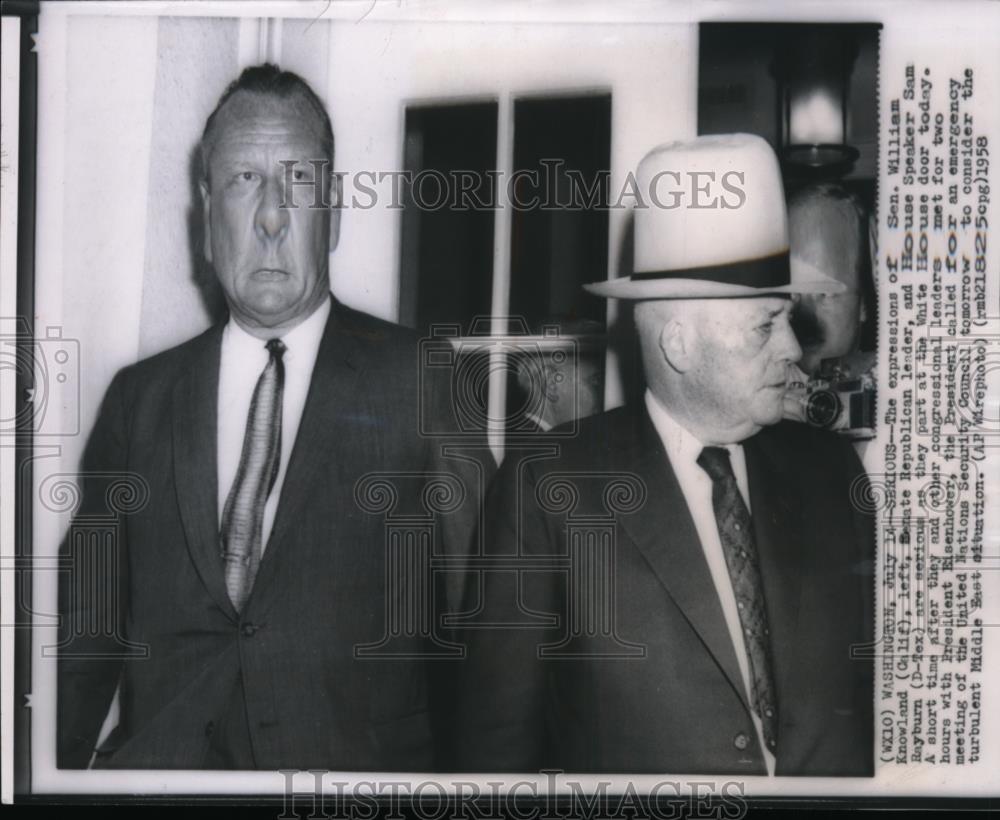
<point>243,515</point>
<point>740,549</point>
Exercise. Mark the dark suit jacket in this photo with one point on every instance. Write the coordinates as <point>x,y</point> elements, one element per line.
<point>676,702</point>
<point>322,584</point>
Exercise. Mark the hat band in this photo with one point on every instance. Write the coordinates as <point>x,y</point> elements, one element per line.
<point>769,272</point>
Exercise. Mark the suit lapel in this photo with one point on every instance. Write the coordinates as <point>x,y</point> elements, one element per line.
<point>665,533</point>
<point>195,401</point>
<point>777,527</point>
<point>331,399</point>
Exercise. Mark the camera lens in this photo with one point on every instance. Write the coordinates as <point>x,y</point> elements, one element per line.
<point>822,408</point>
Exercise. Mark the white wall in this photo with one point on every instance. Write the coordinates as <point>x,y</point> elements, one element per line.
<point>195,60</point>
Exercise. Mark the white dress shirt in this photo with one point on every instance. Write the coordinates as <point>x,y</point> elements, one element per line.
<point>683,450</point>
<point>243,360</point>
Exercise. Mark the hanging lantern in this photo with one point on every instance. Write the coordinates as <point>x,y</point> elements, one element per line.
<point>814,73</point>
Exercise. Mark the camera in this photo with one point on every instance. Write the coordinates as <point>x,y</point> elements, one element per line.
<point>845,405</point>
<point>456,371</point>
<point>49,366</point>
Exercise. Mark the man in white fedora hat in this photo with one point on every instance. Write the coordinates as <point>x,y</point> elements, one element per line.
<point>719,619</point>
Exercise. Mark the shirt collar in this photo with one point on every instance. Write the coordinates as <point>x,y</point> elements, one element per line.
<point>301,339</point>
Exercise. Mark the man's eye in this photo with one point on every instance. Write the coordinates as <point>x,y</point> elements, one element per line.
<point>298,174</point>
<point>766,328</point>
<point>246,176</point>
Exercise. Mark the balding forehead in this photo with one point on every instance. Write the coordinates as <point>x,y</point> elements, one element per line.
<point>249,106</point>
<point>252,111</point>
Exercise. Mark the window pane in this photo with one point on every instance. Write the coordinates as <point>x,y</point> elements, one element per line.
<point>446,259</point>
<point>559,231</point>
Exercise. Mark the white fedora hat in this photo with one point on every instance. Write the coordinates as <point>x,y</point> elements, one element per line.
<point>711,223</point>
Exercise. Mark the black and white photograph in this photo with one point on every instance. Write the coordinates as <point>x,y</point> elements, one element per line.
<point>500,403</point>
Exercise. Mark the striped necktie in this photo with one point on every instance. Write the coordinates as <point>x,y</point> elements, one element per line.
<point>740,549</point>
<point>243,515</point>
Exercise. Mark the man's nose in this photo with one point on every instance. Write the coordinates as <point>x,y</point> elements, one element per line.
<point>272,217</point>
<point>790,349</point>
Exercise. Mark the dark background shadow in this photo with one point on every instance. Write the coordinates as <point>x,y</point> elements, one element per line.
<point>202,273</point>
<point>622,336</point>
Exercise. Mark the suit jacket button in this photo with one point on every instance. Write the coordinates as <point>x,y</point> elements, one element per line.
<point>741,741</point>
<point>249,630</point>
<point>209,728</point>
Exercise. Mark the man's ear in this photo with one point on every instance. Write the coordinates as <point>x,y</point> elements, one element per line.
<point>336,200</point>
<point>206,213</point>
<point>675,345</point>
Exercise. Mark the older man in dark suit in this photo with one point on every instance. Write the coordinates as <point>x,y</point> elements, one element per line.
<point>695,577</point>
<point>253,586</point>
